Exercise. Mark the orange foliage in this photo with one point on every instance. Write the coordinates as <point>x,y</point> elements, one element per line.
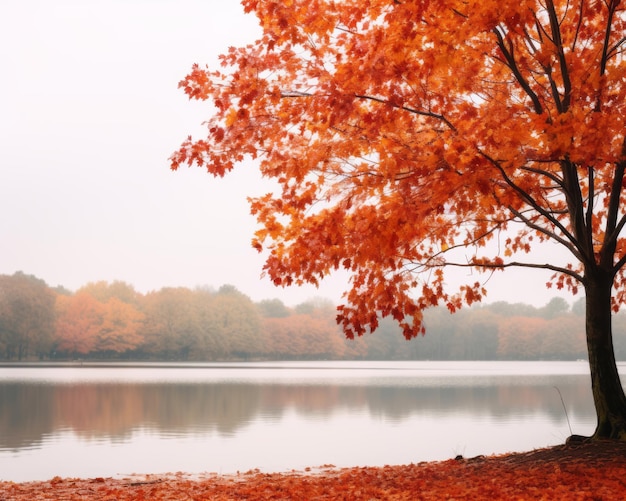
<point>302,336</point>
<point>548,475</point>
<point>119,330</point>
<point>529,338</point>
<point>78,320</point>
<point>521,337</point>
<point>99,317</point>
<point>407,135</point>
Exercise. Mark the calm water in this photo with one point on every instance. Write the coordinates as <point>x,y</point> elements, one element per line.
<point>115,421</point>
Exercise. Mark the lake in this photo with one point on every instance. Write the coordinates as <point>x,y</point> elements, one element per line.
<point>116,420</point>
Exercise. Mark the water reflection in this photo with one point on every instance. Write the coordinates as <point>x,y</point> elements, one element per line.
<point>35,413</point>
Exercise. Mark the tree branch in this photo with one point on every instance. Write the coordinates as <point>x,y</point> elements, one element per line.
<point>620,264</point>
<point>618,229</point>
<point>510,62</point>
<point>612,7</point>
<point>583,237</point>
<point>615,49</point>
<point>590,199</point>
<point>541,172</point>
<point>518,264</point>
<point>580,22</point>
<point>613,228</point>
<point>614,200</point>
<point>558,42</point>
<point>571,245</point>
<point>428,114</point>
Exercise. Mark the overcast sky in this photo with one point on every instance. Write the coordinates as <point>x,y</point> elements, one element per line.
<point>89,114</point>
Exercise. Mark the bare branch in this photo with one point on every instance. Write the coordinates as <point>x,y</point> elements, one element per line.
<point>570,245</point>
<point>620,264</point>
<point>548,215</point>
<point>618,229</point>
<point>518,264</point>
<point>616,48</point>
<point>295,93</point>
<point>548,174</point>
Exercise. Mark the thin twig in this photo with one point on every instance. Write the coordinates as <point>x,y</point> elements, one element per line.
<point>565,410</point>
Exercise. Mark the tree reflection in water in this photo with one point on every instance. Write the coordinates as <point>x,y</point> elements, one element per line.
<point>32,412</point>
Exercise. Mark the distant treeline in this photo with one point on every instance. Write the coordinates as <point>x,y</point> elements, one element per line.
<point>112,321</point>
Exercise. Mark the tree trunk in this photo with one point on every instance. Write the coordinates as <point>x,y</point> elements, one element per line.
<point>608,393</point>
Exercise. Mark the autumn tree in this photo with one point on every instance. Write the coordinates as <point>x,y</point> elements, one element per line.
<point>301,337</point>
<point>235,320</point>
<point>120,327</point>
<point>172,328</point>
<point>408,137</point>
<point>103,291</point>
<point>26,316</point>
<point>566,339</point>
<point>471,334</point>
<point>521,338</point>
<point>78,321</point>
<point>387,343</point>
<point>273,308</point>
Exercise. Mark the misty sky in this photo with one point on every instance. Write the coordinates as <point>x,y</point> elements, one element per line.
<point>89,114</point>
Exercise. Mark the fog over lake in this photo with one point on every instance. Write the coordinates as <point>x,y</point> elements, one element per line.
<point>114,420</point>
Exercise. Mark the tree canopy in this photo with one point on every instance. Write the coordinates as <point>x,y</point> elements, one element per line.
<point>401,131</point>
<point>411,136</point>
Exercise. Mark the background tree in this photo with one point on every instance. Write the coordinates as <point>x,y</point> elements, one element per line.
<point>406,136</point>
<point>557,306</point>
<point>301,337</point>
<point>78,320</point>
<point>388,343</point>
<point>172,328</point>
<point>212,343</point>
<point>273,308</point>
<point>26,316</point>
<point>467,335</point>
<point>521,338</point>
<point>103,291</point>
<point>236,322</point>
<point>120,328</point>
<point>566,340</point>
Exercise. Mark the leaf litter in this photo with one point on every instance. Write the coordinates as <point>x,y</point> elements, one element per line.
<point>594,471</point>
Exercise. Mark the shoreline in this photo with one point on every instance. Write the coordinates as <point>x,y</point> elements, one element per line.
<point>588,471</point>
